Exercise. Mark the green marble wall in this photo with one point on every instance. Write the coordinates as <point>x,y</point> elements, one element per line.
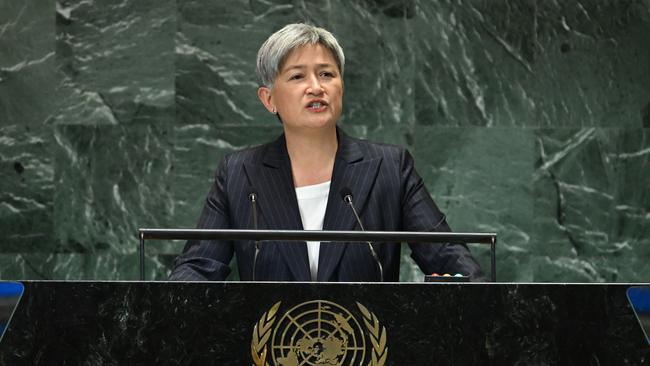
<point>528,118</point>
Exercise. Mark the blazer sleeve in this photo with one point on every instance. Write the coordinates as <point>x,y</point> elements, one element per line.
<point>203,260</point>
<point>420,213</point>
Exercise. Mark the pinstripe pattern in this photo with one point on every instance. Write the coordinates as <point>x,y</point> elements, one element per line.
<point>388,193</point>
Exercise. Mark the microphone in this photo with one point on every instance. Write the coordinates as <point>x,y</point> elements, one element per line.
<point>346,195</point>
<point>253,198</point>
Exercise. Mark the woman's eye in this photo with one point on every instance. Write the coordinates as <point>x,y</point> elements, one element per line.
<point>326,74</point>
<point>295,77</point>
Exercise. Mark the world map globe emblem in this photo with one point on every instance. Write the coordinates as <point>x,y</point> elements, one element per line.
<point>319,332</point>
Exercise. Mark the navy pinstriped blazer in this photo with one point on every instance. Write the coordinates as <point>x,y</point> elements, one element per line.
<point>388,194</point>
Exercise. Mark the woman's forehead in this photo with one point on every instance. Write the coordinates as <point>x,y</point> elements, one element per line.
<point>308,56</point>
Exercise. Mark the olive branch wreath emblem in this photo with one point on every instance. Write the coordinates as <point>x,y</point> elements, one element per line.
<point>377,335</point>
<point>262,332</point>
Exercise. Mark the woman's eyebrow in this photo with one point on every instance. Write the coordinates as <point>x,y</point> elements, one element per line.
<point>325,65</point>
<point>293,67</point>
<point>302,67</point>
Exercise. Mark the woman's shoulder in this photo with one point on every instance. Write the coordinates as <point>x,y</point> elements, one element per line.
<point>378,149</point>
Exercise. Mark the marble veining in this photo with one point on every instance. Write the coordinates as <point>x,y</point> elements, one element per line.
<point>525,118</point>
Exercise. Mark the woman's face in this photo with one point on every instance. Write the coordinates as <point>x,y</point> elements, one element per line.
<point>308,91</point>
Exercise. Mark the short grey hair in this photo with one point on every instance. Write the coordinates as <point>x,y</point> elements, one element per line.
<point>278,46</point>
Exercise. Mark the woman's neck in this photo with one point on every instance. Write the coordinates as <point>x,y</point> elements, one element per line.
<point>312,154</point>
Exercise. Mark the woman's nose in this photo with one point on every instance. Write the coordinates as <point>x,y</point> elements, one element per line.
<point>315,88</point>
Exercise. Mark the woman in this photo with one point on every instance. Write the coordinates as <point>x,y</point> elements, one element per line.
<point>297,182</point>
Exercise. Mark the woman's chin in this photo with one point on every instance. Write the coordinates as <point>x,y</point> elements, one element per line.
<point>313,125</point>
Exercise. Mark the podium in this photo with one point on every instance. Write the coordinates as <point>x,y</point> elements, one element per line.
<point>358,237</point>
<point>239,323</point>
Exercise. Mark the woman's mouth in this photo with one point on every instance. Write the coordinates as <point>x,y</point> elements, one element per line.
<point>316,106</point>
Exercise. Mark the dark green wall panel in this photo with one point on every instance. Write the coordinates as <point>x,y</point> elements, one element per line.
<point>528,118</point>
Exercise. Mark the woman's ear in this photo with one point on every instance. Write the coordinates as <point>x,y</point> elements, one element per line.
<point>266,98</point>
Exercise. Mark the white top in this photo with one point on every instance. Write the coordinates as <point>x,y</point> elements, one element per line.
<point>312,202</point>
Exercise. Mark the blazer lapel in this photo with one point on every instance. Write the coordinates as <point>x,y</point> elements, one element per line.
<point>354,172</point>
<point>273,181</point>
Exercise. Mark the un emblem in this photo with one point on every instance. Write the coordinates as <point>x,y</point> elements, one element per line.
<point>318,332</point>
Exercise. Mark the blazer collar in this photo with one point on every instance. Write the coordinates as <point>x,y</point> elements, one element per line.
<point>356,172</point>
<point>276,154</point>
<point>278,204</point>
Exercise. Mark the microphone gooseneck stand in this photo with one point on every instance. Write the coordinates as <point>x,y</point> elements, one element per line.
<point>346,194</point>
<point>253,197</point>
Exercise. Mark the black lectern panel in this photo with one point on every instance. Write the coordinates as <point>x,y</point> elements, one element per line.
<point>120,323</point>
